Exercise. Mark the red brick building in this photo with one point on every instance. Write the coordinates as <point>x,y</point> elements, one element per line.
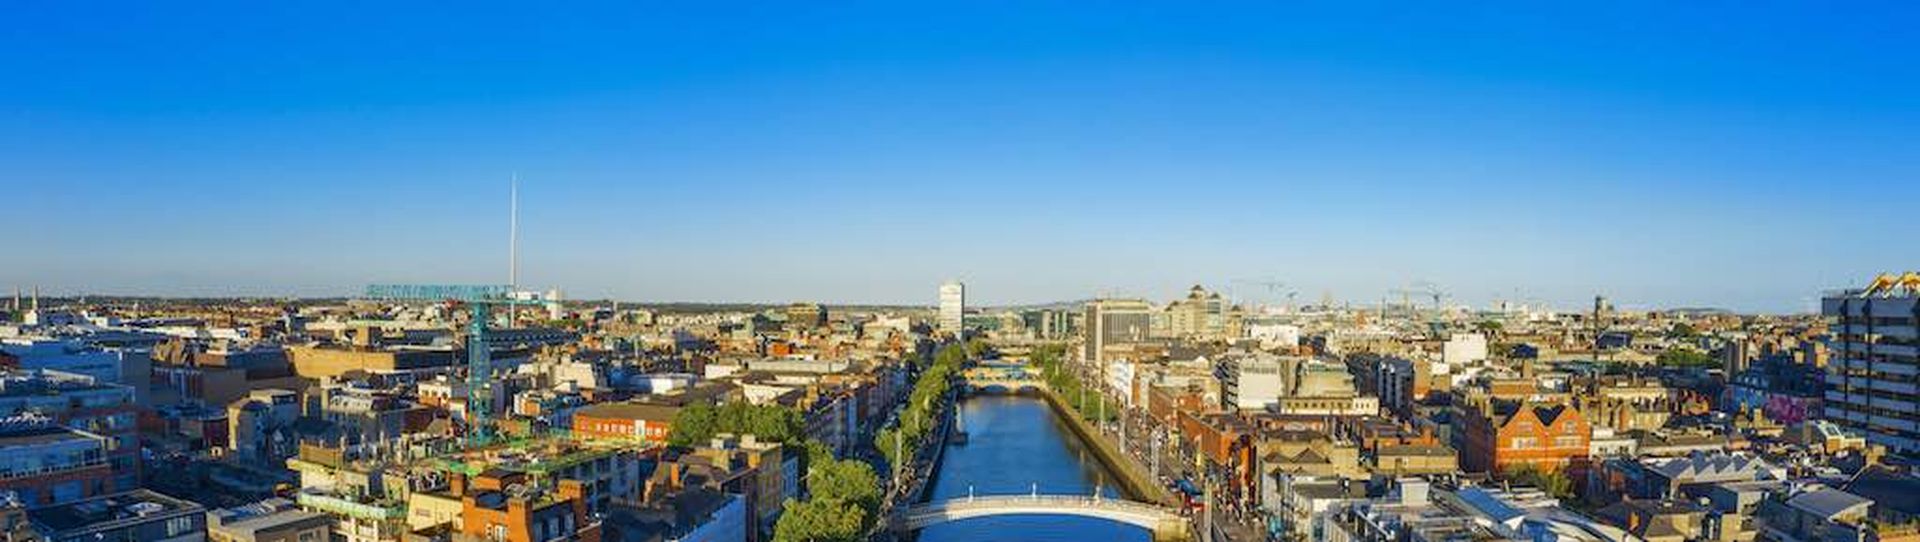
<point>1495,435</point>
<point>647,422</point>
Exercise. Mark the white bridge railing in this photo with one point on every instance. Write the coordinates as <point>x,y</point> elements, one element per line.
<point>956,509</point>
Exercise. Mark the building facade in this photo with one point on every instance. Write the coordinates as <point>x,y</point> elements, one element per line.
<point>953,308</point>
<point>1871,381</point>
<point>1112,322</point>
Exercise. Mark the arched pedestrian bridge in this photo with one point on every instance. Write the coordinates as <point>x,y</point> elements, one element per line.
<point>1001,379</point>
<point>1166,524</point>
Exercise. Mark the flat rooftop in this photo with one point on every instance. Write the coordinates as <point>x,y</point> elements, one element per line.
<point>111,510</point>
<point>40,435</point>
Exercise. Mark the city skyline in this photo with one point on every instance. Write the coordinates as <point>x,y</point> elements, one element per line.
<point>1053,271</point>
<point>1677,157</point>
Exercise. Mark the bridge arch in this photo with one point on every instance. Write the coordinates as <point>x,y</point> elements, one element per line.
<point>1165,524</point>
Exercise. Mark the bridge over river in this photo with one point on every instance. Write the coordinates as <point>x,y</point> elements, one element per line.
<point>1023,474</point>
<point>1016,379</point>
<point>1164,523</point>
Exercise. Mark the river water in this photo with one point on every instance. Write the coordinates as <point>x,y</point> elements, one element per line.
<point>1016,443</point>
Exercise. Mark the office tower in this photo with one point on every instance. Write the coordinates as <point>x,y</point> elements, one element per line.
<point>1112,322</point>
<point>953,307</point>
<point>1870,377</point>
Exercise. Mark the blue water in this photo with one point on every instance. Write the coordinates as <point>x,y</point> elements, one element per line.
<point>1016,444</point>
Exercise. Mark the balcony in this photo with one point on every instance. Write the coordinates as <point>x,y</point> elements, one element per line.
<point>1855,364</point>
<point>1906,332</point>
<point>1893,423</point>
<point>1907,388</point>
<point>44,470</point>
<point>1848,415</point>
<point>1901,350</point>
<point>1898,405</point>
<point>1897,368</point>
<point>352,508</point>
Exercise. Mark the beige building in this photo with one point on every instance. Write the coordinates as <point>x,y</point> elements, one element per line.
<point>1204,316</point>
<point>316,362</point>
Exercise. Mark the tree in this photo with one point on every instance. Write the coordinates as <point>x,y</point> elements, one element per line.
<point>1682,330</point>
<point>772,423</point>
<point>1685,358</point>
<point>851,482</point>
<point>816,520</point>
<point>1552,482</point>
<point>693,424</point>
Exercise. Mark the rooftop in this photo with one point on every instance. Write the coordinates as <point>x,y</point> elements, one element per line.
<point>100,513</point>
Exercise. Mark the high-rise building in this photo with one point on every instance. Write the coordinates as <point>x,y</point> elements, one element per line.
<point>1113,322</point>
<point>953,307</point>
<point>1873,346</point>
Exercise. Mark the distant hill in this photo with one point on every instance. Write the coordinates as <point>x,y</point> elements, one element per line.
<point>1053,305</point>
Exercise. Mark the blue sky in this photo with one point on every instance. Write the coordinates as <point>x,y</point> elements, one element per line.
<point>1743,155</point>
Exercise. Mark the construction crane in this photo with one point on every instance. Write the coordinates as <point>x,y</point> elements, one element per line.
<point>1273,287</point>
<point>1431,290</point>
<point>1406,299</point>
<point>1423,289</point>
<point>480,299</point>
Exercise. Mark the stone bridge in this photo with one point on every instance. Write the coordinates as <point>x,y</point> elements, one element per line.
<point>1014,381</point>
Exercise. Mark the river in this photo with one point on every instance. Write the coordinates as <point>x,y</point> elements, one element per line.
<point>1016,443</point>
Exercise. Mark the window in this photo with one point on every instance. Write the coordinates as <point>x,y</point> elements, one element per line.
<point>179,525</point>
<point>1523,443</point>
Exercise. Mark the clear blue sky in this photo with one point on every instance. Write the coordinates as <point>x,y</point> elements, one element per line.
<point>1735,154</point>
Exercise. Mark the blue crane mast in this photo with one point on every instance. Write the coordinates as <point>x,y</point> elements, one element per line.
<point>480,298</point>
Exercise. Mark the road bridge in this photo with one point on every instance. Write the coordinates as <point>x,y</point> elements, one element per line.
<point>1008,380</point>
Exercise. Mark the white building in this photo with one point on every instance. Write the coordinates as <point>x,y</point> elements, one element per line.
<point>1120,378</point>
<point>1464,349</point>
<point>1251,382</point>
<point>953,307</point>
<point>1274,334</point>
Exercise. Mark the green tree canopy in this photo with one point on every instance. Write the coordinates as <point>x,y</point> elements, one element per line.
<point>1682,330</point>
<point>1552,482</point>
<point>846,481</point>
<point>817,520</point>
<point>697,424</point>
<point>1685,358</point>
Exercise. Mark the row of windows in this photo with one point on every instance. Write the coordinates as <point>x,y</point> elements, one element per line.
<point>1531,443</point>
<point>1879,321</point>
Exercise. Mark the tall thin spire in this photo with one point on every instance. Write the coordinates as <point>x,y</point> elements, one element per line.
<point>513,247</point>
